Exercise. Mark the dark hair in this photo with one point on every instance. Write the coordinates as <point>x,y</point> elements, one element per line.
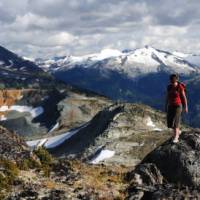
<point>173,76</point>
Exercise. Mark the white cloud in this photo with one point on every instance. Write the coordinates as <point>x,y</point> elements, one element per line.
<point>36,28</point>
<point>60,39</point>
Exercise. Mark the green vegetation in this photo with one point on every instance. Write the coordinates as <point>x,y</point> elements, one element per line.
<point>8,173</point>
<point>28,163</point>
<point>41,160</point>
<point>46,160</point>
<point>44,156</point>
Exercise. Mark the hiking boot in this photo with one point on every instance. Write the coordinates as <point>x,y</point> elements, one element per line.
<point>175,140</point>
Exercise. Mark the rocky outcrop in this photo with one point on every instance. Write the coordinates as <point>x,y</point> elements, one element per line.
<point>78,108</point>
<point>66,108</point>
<point>12,147</point>
<point>8,98</point>
<point>169,171</point>
<point>130,131</point>
<point>70,179</point>
<point>179,163</point>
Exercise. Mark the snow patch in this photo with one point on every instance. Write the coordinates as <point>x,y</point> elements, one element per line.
<point>1,62</point>
<point>33,143</point>
<point>28,58</point>
<point>136,144</point>
<point>33,111</point>
<point>192,58</point>
<point>41,142</point>
<point>150,122</point>
<point>54,127</point>
<point>180,54</point>
<point>107,53</point>
<point>52,142</point>
<point>104,154</point>
<point>3,118</point>
<point>158,129</point>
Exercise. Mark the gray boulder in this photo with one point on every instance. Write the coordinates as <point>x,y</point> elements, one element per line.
<point>179,163</point>
<point>169,172</point>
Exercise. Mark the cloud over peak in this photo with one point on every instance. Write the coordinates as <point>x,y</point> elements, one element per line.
<point>46,28</point>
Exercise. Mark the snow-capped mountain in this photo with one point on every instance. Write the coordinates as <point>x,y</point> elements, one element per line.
<point>192,58</point>
<point>139,75</point>
<point>133,63</point>
<point>16,71</point>
<point>11,61</point>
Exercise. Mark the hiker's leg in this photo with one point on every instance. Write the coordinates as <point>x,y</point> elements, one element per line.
<point>177,120</point>
<point>176,132</point>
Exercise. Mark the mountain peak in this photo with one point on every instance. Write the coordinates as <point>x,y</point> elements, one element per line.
<point>133,63</point>
<point>148,47</point>
<point>15,71</point>
<point>111,51</point>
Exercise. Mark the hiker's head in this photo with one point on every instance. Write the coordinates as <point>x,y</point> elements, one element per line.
<point>173,78</point>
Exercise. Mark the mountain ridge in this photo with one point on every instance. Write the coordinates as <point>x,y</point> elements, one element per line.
<point>113,59</point>
<point>139,75</point>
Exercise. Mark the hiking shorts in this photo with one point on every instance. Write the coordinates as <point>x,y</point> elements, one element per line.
<point>174,116</point>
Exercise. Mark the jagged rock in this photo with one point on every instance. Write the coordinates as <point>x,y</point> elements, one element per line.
<point>169,172</point>
<point>179,163</point>
<point>162,192</point>
<point>67,107</point>
<point>129,130</point>
<point>63,172</point>
<point>56,195</point>
<point>147,174</point>
<point>29,192</point>
<point>12,147</point>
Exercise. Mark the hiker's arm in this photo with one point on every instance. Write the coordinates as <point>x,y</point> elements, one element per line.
<point>184,100</point>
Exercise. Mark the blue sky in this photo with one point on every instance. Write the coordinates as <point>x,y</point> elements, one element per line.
<point>46,28</point>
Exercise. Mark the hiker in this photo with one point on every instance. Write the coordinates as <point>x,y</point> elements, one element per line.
<point>175,102</point>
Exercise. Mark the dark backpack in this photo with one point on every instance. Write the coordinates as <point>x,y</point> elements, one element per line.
<point>183,85</point>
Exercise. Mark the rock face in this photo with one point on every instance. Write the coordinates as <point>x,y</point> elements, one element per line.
<point>12,147</point>
<point>169,167</point>
<point>179,163</point>
<point>32,112</point>
<point>130,131</point>
<point>36,175</point>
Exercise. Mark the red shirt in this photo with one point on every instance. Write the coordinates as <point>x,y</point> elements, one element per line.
<point>174,93</point>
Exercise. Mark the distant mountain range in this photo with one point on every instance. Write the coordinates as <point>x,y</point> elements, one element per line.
<point>139,75</point>
<point>133,63</point>
<point>192,58</point>
<point>16,72</point>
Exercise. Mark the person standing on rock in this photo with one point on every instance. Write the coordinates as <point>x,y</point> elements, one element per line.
<point>175,102</point>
